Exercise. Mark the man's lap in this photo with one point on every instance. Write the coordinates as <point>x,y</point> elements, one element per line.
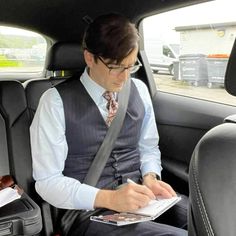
<point>144,228</point>
<point>164,225</point>
<point>177,215</point>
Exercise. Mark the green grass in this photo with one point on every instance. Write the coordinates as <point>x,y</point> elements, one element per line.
<point>4,62</point>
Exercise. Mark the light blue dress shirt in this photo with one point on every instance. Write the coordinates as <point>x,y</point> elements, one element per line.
<point>49,147</point>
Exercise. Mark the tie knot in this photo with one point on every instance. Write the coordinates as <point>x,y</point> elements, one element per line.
<point>108,96</point>
<point>112,106</point>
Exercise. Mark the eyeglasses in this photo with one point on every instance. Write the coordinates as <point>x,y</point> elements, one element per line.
<point>117,70</point>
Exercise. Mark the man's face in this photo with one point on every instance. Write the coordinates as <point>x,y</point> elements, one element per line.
<point>110,79</point>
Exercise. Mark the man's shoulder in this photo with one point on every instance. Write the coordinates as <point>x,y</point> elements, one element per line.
<point>138,82</point>
<point>141,87</point>
<point>50,96</point>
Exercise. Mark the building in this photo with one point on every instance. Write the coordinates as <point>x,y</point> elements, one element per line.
<point>196,38</point>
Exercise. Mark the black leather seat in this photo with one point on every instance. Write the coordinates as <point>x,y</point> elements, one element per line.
<point>14,126</point>
<point>23,216</point>
<point>212,174</point>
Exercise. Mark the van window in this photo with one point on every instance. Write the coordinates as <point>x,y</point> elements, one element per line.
<point>21,51</point>
<point>167,52</point>
<point>189,49</point>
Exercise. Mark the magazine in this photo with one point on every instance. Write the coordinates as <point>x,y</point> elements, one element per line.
<point>154,209</point>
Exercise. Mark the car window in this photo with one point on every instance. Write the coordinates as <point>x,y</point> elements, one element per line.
<point>21,51</point>
<point>188,49</point>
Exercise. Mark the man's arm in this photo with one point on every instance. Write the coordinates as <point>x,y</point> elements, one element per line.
<point>49,152</point>
<point>149,150</point>
<point>150,155</point>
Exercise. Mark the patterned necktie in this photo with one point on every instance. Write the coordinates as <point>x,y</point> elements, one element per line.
<point>112,106</point>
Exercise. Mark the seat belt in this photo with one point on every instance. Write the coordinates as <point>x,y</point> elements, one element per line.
<point>101,158</point>
<point>105,149</point>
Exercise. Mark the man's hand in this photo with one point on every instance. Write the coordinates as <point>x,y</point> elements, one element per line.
<point>158,187</point>
<point>128,198</point>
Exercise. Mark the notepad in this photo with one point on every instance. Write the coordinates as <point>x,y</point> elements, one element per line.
<point>154,209</point>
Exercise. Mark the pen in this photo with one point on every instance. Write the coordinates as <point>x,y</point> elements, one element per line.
<point>130,181</point>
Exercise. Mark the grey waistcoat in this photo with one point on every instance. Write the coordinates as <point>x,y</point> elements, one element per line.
<point>86,129</point>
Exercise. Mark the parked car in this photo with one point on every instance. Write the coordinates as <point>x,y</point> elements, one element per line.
<point>184,114</point>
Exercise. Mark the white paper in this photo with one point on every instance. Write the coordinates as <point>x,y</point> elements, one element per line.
<point>157,207</point>
<point>8,195</point>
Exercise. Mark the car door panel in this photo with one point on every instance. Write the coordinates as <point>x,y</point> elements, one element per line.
<point>182,121</point>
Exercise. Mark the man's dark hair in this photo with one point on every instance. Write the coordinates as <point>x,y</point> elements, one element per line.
<point>111,36</point>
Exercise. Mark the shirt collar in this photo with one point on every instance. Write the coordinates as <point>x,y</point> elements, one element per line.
<point>95,90</point>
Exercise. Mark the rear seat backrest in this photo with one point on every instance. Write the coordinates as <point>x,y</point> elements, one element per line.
<point>14,126</point>
<point>34,90</point>
<point>63,56</point>
<point>4,162</point>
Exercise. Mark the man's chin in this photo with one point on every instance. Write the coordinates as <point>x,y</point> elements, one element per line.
<point>118,87</point>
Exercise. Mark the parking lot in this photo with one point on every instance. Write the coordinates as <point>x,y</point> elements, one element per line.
<point>165,82</point>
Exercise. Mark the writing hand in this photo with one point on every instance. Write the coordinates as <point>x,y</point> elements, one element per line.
<point>128,198</point>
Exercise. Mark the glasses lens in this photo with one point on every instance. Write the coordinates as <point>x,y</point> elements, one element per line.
<point>119,70</point>
<point>116,71</point>
<point>134,69</point>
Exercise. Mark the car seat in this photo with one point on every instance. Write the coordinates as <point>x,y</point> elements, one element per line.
<point>212,175</point>
<point>22,216</point>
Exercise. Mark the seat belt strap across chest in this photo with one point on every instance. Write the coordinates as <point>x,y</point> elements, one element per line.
<point>105,149</point>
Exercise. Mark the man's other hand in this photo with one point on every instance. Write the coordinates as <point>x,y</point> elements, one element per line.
<point>158,187</point>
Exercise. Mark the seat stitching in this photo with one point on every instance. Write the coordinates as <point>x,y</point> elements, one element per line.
<point>201,204</point>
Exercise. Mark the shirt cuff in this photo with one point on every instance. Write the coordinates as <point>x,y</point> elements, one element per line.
<point>150,167</point>
<point>86,197</point>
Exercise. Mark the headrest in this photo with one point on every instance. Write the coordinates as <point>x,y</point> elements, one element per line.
<point>65,56</point>
<point>230,75</point>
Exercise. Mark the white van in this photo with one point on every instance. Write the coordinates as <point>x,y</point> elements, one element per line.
<point>161,55</point>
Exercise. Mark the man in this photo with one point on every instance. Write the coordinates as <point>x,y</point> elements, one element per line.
<point>69,127</point>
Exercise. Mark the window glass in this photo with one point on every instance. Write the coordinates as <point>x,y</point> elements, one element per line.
<point>21,51</point>
<point>188,49</point>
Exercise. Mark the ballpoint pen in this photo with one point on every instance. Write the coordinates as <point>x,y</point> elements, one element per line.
<point>130,181</point>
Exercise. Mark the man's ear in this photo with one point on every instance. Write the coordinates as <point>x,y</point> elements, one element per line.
<point>89,58</point>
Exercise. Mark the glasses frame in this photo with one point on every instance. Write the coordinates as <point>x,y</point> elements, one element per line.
<point>120,69</point>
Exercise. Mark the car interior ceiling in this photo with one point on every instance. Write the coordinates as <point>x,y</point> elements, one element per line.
<point>18,101</point>
<point>40,16</point>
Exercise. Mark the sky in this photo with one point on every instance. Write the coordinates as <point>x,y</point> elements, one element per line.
<point>11,31</point>
<point>217,11</point>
